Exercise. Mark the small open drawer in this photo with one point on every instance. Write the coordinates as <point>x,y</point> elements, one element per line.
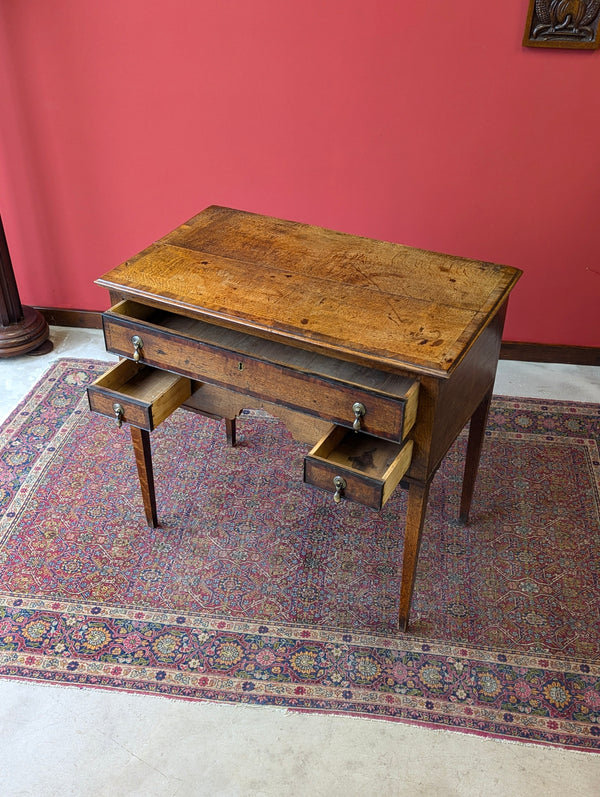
<point>137,394</point>
<point>357,466</point>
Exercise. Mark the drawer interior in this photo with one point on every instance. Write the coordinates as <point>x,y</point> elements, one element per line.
<point>138,382</point>
<point>358,452</point>
<point>370,468</point>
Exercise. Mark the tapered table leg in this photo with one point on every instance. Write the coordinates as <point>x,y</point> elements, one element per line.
<point>415,518</point>
<point>230,430</point>
<point>143,459</point>
<point>474,445</point>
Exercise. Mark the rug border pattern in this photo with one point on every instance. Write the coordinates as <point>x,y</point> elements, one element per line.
<point>419,707</point>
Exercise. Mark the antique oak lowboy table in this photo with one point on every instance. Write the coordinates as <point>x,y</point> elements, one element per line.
<point>377,354</point>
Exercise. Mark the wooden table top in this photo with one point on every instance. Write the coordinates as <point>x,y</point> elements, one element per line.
<point>377,303</point>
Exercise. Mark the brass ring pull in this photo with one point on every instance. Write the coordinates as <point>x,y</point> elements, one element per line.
<point>359,410</point>
<point>340,484</point>
<point>137,347</point>
<point>119,412</point>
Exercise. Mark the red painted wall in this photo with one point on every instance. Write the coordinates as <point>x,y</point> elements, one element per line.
<point>423,123</point>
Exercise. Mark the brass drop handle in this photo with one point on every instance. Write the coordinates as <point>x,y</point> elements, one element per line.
<point>340,484</point>
<point>119,412</point>
<point>359,410</point>
<point>137,347</point>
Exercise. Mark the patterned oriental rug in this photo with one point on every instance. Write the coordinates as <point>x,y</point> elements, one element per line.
<point>258,589</point>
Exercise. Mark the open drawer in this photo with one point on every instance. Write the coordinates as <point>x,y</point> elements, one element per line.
<point>337,391</point>
<point>357,466</point>
<point>138,394</point>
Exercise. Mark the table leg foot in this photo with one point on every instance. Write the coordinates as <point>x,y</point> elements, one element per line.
<point>143,459</point>
<point>415,518</point>
<point>474,446</point>
<point>230,431</point>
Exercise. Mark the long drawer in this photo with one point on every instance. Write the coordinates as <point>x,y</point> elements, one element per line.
<point>377,403</point>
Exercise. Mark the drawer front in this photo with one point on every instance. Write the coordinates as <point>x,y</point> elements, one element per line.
<point>357,467</point>
<point>333,401</point>
<point>137,394</point>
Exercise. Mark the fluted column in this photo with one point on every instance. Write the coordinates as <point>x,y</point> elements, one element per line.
<point>22,329</point>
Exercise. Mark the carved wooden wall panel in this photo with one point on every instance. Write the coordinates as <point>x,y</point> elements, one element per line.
<point>572,24</point>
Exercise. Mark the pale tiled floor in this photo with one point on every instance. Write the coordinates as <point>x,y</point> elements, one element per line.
<point>67,741</point>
